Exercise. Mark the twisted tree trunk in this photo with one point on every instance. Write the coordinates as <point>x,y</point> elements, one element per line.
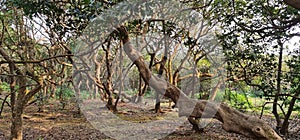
<point>233,120</point>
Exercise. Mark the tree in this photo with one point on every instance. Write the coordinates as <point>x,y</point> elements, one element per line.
<point>293,77</point>
<point>28,63</point>
<point>71,24</point>
<point>253,35</point>
<point>246,125</point>
<point>164,88</point>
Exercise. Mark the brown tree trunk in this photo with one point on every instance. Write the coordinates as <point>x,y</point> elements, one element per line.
<point>121,76</point>
<point>214,91</point>
<point>293,3</point>
<point>180,67</point>
<point>108,85</point>
<point>76,85</point>
<point>3,103</point>
<point>285,125</point>
<point>16,108</point>
<point>20,102</point>
<point>42,99</point>
<point>233,120</point>
<point>143,88</point>
<point>16,126</point>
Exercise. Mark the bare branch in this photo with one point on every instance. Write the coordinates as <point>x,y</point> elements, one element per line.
<point>37,61</point>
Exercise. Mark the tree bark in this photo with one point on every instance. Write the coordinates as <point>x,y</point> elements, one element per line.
<point>214,91</point>
<point>278,90</point>
<point>3,102</point>
<point>161,70</point>
<point>233,120</point>
<point>17,122</point>
<point>108,85</point>
<point>19,101</point>
<point>160,73</point>
<point>180,67</point>
<point>285,125</point>
<point>293,3</point>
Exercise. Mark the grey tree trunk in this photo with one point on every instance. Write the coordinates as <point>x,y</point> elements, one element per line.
<point>278,92</point>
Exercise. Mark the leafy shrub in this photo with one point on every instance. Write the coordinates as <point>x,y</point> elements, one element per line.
<point>258,94</point>
<point>149,94</point>
<point>296,107</point>
<point>219,97</point>
<point>66,92</point>
<point>131,91</point>
<point>4,86</point>
<point>84,94</point>
<point>197,95</point>
<point>239,101</point>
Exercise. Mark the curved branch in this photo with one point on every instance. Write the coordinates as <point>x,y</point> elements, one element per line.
<point>263,107</point>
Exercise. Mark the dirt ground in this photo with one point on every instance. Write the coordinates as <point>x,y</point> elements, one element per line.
<point>57,124</point>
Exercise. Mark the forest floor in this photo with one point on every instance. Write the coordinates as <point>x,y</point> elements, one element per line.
<point>136,123</point>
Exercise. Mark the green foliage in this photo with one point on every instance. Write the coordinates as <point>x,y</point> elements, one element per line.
<point>131,91</point>
<point>219,97</point>
<point>198,95</point>
<point>251,45</point>
<point>296,107</point>
<point>256,94</point>
<point>4,87</point>
<point>84,94</point>
<point>239,101</point>
<point>78,13</point>
<point>253,35</point>
<point>204,65</point>
<point>149,94</point>
<point>64,92</point>
<point>294,65</point>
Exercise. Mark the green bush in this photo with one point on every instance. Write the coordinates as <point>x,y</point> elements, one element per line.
<point>239,101</point>
<point>4,87</point>
<point>84,94</point>
<point>131,91</point>
<point>66,92</point>
<point>197,95</point>
<point>296,107</point>
<point>258,94</point>
<point>219,97</point>
<point>149,94</point>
